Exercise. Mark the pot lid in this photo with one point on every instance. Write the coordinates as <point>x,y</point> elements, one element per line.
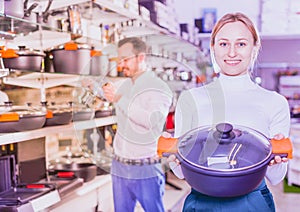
<point>57,108</point>
<point>71,46</point>
<point>12,112</point>
<point>22,51</point>
<point>224,147</point>
<point>78,107</point>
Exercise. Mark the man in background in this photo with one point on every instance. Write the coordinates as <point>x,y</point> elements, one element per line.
<point>142,104</point>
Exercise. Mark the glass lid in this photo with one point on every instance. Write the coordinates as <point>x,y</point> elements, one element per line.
<point>224,147</point>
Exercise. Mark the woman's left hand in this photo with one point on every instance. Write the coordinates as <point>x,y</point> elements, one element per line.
<point>277,159</point>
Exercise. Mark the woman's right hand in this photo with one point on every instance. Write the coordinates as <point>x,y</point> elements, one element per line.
<point>168,144</point>
<point>173,159</point>
<point>175,166</point>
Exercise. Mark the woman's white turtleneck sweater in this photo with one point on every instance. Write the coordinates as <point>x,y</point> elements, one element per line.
<point>239,101</point>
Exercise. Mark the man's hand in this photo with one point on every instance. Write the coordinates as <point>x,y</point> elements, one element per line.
<point>109,92</point>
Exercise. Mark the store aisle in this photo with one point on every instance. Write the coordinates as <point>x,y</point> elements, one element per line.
<point>173,198</point>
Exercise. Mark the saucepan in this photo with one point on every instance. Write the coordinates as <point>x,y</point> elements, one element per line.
<point>226,160</point>
<point>15,118</point>
<point>57,114</point>
<point>23,59</point>
<point>71,58</point>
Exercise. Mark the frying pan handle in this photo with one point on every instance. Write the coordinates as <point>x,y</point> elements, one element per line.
<point>166,146</point>
<point>282,147</point>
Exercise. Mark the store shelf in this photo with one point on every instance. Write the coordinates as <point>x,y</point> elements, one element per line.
<point>56,4</point>
<point>278,36</point>
<point>41,80</point>
<point>290,81</point>
<point>7,138</point>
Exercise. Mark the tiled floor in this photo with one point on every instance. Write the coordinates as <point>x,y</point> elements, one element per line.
<point>285,202</point>
<point>173,198</point>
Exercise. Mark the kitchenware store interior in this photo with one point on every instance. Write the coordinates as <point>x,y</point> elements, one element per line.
<point>56,127</point>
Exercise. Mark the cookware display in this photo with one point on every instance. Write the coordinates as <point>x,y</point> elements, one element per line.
<point>15,118</point>
<point>71,58</point>
<point>86,171</point>
<point>64,185</point>
<point>81,112</point>
<point>22,59</point>
<point>104,111</point>
<point>57,114</point>
<point>14,194</point>
<point>225,160</point>
<point>99,63</point>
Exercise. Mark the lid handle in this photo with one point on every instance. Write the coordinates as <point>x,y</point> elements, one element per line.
<point>166,145</point>
<point>282,147</point>
<point>225,131</point>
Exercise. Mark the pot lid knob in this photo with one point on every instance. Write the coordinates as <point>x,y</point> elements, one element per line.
<point>22,47</point>
<point>225,131</point>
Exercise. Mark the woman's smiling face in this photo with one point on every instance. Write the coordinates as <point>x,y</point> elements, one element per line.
<point>234,48</point>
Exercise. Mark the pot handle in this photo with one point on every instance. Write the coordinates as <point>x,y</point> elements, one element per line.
<point>9,53</point>
<point>95,53</point>
<point>71,46</point>
<point>9,117</point>
<point>282,147</point>
<point>166,146</point>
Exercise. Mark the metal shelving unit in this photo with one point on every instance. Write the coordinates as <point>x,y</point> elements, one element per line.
<point>7,138</point>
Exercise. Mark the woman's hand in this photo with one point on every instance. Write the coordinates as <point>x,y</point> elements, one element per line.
<point>172,159</point>
<point>277,159</point>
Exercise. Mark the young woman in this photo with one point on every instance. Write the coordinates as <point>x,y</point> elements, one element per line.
<point>235,98</point>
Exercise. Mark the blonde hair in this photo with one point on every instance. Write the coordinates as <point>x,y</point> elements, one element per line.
<point>230,18</point>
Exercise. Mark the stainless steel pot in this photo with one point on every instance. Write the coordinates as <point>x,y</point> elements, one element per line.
<point>72,58</point>
<point>99,63</point>
<point>23,59</point>
<point>14,8</point>
<point>225,161</point>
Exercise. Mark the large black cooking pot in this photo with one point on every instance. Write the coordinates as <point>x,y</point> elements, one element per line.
<point>57,114</point>
<point>71,58</point>
<point>225,161</point>
<point>23,59</point>
<point>81,112</point>
<point>20,118</point>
